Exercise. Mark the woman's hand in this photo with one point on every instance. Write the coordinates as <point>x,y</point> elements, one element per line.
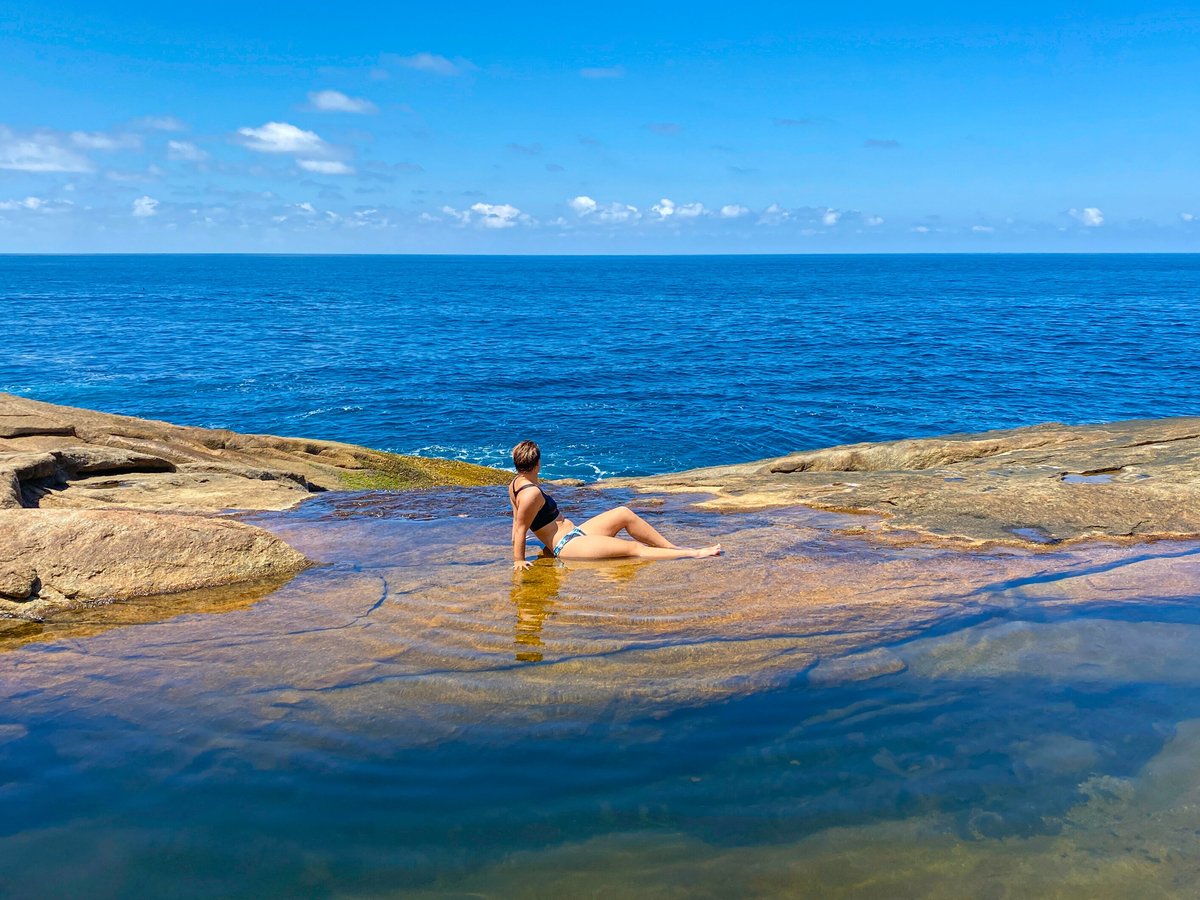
<point>521,565</point>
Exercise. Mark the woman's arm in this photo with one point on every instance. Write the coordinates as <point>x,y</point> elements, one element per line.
<point>522,519</point>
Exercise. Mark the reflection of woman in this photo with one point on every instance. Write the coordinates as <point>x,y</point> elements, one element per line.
<point>535,510</point>
<point>533,595</point>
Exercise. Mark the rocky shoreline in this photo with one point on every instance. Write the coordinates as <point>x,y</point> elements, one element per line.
<point>1046,484</point>
<point>96,507</point>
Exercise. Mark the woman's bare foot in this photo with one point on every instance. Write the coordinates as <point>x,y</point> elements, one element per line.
<point>714,550</point>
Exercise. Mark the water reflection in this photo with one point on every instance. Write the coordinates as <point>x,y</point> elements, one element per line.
<point>535,591</point>
<point>533,594</point>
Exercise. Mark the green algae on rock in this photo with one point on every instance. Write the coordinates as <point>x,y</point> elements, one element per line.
<point>394,472</point>
<point>1013,486</point>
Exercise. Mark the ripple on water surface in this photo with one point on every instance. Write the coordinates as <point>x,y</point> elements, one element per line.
<point>813,710</point>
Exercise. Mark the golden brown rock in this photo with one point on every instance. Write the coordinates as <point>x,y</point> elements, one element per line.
<point>101,485</point>
<point>90,460</point>
<point>1043,484</point>
<point>78,556</point>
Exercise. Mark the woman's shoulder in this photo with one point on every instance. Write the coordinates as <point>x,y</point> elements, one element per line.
<point>516,487</point>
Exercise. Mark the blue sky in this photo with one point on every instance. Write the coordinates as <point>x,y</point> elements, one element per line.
<point>598,128</point>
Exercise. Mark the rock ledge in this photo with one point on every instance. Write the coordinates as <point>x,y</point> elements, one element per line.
<point>97,507</point>
<point>1045,484</point>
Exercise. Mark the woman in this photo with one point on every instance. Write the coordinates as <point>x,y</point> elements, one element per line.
<point>535,510</point>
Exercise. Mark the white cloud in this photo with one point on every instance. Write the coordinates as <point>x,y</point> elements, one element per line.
<point>27,203</point>
<point>325,166</point>
<point>691,211</point>
<point>305,207</point>
<point>921,229</point>
<point>161,123</point>
<point>432,62</point>
<point>982,229</point>
<point>36,205</point>
<point>616,213</point>
<point>280,137</point>
<point>874,220</point>
<point>830,217</point>
<point>773,215</point>
<point>186,151</point>
<point>613,213</point>
<point>336,101</point>
<point>1088,216</point>
<point>496,215</point>
<point>38,152</point>
<point>1187,217</point>
<point>487,215</point>
<point>144,207</point>
<point>583,205</point>
<point>664,208</point>
<point>603,72</point>
<point>98,140</point>
<point>150,174</point>
<point>734,211</point>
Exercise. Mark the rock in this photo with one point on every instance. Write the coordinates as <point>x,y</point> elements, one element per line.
<point>181,491</point>
<point>20,424</point>
<point>184,468</point>
<point>76,461</point>
<point>90,503</point>
<point>856,667</point>
<point>249,472</point>
<point>1028,486</point>
<point>95,555</point>
<point>10,489</point>
<point>30,466</point>
<point>17,581</point>
<point>19,470</point>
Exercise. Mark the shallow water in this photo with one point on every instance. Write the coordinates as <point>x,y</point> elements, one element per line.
<point>617,366</point>
<point>815,712</point>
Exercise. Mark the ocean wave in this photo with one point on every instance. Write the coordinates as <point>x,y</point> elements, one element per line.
<point>325,410</point>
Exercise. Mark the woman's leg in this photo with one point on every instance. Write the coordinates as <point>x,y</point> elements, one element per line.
<point>597,546</point>
<point>612,522</point>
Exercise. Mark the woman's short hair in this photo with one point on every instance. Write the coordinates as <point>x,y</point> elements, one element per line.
<point>526,456</point>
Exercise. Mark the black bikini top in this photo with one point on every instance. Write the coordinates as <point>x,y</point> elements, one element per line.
<point>547,514</point>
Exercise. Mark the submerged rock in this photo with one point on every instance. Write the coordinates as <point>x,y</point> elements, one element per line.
<point>1014,486</point>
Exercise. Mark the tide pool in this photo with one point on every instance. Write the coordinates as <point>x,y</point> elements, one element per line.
<point>816,712</point>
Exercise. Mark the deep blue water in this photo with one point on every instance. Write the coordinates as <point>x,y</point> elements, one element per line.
<point>616,365</point>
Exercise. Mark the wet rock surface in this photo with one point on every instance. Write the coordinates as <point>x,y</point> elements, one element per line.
<point>1046,484</point>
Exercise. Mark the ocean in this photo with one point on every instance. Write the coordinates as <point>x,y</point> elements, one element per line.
<point>615,365</point>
